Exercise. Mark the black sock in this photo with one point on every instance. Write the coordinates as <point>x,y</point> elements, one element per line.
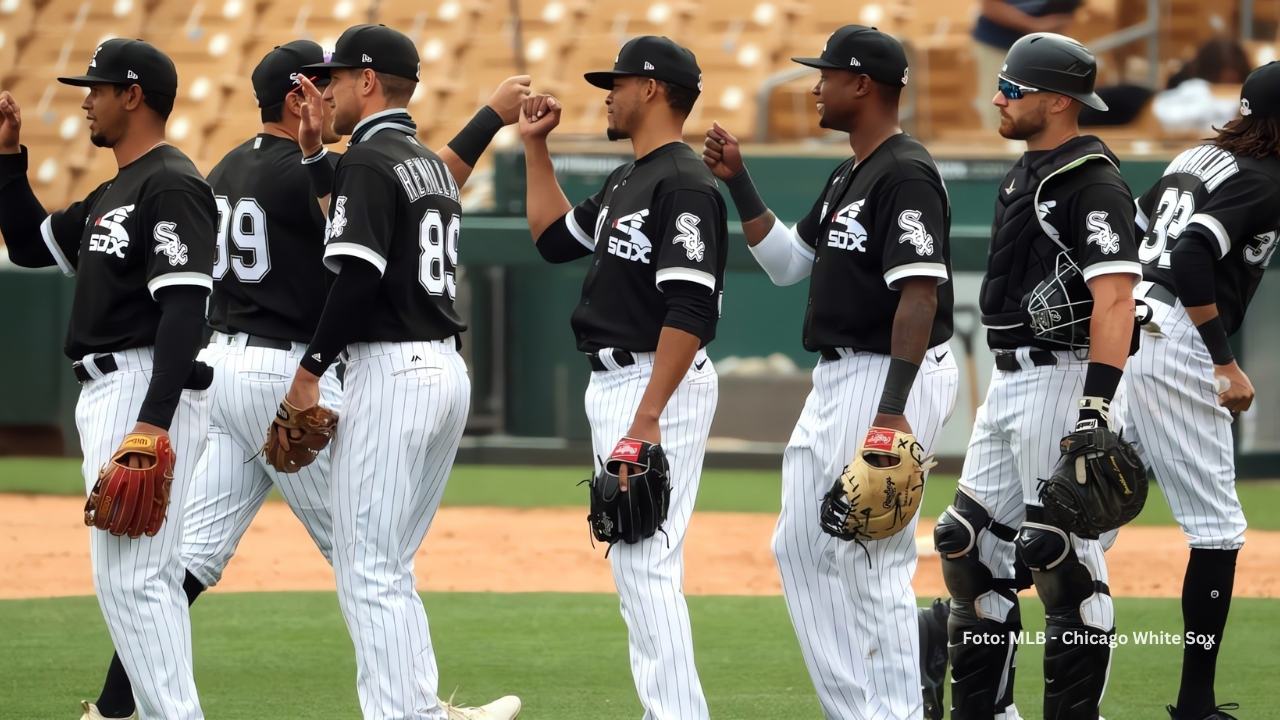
<point>1206,598</point>
<point>116,699</point>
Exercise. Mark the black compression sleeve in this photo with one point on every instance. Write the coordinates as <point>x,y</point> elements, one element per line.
<point>1192,264</point>
<point>897,386</point>
<point>321,172</point>
<point>745,196</point>
<point>556,244</point>
<point>470,142</point>
<point>21,214</point>
<point>690,307</point>
<point>348,305</point>
<point>178,340</point>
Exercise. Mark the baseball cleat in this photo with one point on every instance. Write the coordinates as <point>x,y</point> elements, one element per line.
<point>504,708</point>
<point>933,657</point>
<point>1217,713</point>
<point>90,712</point>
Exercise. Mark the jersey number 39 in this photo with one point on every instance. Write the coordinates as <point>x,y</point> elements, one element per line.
<point>245,226</point>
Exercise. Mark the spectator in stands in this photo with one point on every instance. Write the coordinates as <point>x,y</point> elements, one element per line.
<point>1000,24</point>
<point>1220,60</point>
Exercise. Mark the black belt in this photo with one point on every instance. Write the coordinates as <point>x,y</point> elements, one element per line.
<point>1162,293</point>
<point>621,359</point>
<point>257,341</point>
<point>105,365</point>
<point>830,353</point>
<point>1008,359</point>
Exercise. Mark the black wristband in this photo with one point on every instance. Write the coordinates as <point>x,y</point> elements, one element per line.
<point>897,386</point>
<point>1100,383</point>
<point>745,196</point>
<point>470,142</point>
<point>321,172</point>
<point>1214,335</point>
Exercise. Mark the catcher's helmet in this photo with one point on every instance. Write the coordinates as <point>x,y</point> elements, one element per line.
<point>1055,63</point>
<point>1059,307</point>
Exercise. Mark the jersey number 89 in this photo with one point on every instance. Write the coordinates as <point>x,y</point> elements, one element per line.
<point>245,226</point>
<point>439,253</point>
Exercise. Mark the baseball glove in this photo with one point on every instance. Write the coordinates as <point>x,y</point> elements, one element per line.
<point>879,492</point>
<point>1098,484</point>
<point>309,431</point>
<point>638,512</point>
<point>133,501</point>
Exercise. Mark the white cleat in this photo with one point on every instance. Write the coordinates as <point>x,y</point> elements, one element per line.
<point>90,712</point>
<point>504,708</point>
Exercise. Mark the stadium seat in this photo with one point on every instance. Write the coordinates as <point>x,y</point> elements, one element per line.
<point>121,18</point>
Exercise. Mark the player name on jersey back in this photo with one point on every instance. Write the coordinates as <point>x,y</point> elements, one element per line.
<point>421,177</point>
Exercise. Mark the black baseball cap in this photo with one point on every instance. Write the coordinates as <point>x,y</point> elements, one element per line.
<point>376,47</point>
<point>276,74</point>
<point>863,50</point>
<point>129,62</point>
<point>654,57</point>
<point>1260,95</point>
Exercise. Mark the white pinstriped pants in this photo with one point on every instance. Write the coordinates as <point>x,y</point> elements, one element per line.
<point>139,582</point>
<point>1182,432</point>
<point>649,574</point>
<point>404,409</point>
<point>853,609</point>
<point>232,479</point>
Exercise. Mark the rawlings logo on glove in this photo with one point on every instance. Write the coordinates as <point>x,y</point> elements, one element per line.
<point>638,512</point>
<point>878,493</point>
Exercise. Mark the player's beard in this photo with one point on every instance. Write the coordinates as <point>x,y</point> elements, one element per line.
<point>101,140</point>
<point>1023,128</point>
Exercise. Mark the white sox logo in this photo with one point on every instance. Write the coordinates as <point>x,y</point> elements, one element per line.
<point>1103,236</point>
<point>914,232</point>
<point>339,221</point>
<point>853,236</point>
<point>109,235</point>
<point>634,245</point>
<point>1244,107</point>
<point>167,242</point>
<point>690,236</point>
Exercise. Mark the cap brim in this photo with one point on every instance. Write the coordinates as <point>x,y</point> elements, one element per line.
<point>603,79</point>
<point>88,81</point>
<point>817,62</point>
<point>327,66</point>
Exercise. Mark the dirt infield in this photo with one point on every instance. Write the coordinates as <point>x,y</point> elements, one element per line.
<point>44,552</point>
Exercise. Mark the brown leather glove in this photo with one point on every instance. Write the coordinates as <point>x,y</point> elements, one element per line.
<point>297,436</point>
<point>133,501</point>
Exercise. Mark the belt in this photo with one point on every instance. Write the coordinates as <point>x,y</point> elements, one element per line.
<point>104,364</point>
<point>616,359</point>
<point>1008,359</point>
<point>260,342</point>
<point>1161,293</point>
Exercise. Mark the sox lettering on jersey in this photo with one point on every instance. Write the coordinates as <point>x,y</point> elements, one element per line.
<point>854,235</point>
<point>690,237</point>
<point>109,235</point>
<point>167,242</point>
<point>633,244</point>
<point>914,232</point>
<point>1102,235</point>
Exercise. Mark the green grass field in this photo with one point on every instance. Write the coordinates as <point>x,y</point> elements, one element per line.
<point>723,490</point>
<point>288,655</point>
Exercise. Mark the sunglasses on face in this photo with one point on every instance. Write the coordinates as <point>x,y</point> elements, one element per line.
<point>1012,90</point>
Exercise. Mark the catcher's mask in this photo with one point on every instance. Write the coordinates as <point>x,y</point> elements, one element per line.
<point>1059,308</point>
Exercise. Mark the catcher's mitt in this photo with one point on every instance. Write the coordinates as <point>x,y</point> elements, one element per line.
<point>638,512</point>
<point>1098,484</point>
<point>133,501</point>
<point>873,501</point>
<point>309,431</point>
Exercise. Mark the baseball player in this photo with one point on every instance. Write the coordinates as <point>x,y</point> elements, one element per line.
<point>1209,230</point>
<point>394,223</point>
<point>876,246</point>
<point>1058,303</point>
<point>141,247</point>
<point>650,304</point>
<point>269,288</point>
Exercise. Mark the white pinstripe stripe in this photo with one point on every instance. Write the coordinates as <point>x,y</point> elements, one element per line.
<point>139,582</point>
<point>856,624</point>
<point>649,574</point>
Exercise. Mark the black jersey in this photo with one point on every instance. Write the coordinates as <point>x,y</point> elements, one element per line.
<point>153,226</point>
<point>395,205</point>
<point>268,277</point>
<point>1230,200</point>
<point>878,222</point>
<point>658,219</point>
<point>1069,200</point>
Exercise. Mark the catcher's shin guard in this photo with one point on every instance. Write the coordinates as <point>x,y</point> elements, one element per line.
<point>1077,661</point>
<point>985,619</point>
